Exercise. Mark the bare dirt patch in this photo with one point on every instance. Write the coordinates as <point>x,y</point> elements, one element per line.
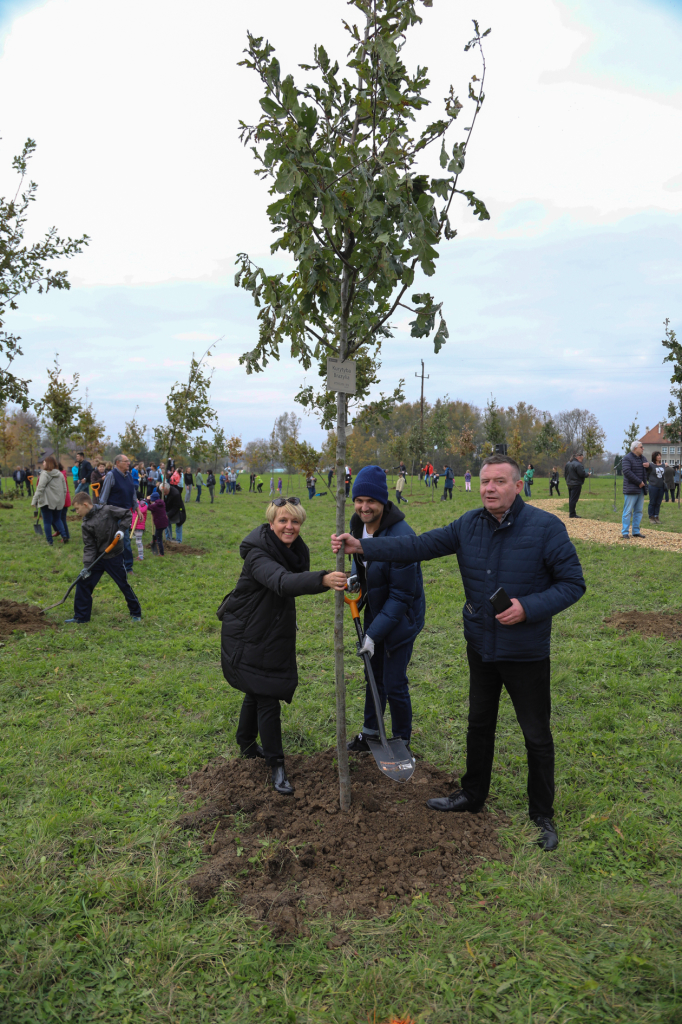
<point>289,858</point>
<point>173,548</point>
<point>666,625</point>
<point>21,618</point>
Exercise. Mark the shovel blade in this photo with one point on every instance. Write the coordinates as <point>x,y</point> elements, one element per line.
<point>395,760</point>
<point>37,529</point>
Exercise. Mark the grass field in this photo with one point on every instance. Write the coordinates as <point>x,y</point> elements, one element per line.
<point>98,723</point>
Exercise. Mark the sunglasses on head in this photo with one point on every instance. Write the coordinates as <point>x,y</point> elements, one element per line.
<point>279,502</point>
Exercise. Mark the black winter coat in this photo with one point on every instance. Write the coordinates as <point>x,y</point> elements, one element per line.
<point>529,554</point>
<point>175,506</point>
<point>258,639</point>
<point>575,473</point>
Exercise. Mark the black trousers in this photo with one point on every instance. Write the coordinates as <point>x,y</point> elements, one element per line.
<point>82,605</point>
<point>261,716</point>
<point>527,683</point>
<point>573,498</point>
<point>551,488</point>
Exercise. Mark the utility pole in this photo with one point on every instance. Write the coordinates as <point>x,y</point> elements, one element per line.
<point>422,379</point>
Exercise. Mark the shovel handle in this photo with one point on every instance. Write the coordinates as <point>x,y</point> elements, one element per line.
<point>117,538</point>
<point>355,612</point>
<point>353,602</point>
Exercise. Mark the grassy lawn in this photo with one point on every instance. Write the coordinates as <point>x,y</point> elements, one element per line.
<point>98,722</point>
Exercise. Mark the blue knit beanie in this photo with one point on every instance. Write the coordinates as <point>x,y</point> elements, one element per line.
<point>154,496</point>
<point>371,483</point>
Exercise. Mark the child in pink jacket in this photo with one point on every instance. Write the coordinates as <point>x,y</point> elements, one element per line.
<point>139,523</point>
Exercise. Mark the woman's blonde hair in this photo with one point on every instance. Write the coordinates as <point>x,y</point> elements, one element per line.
<point>295,511</point>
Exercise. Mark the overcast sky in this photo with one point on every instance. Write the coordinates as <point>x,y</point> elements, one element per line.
<point>558,299</point>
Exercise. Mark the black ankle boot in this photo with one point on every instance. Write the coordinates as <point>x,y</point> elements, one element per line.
<point>280,780</point>
<point>253,750</point>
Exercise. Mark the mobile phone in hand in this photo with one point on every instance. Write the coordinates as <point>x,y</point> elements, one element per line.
<point>500,601</point>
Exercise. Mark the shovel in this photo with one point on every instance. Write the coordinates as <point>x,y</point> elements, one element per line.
<point>37,526</point>
<point>392,756</point>
<point>84,573</point>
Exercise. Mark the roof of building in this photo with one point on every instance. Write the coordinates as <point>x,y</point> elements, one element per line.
<point>655,436</point>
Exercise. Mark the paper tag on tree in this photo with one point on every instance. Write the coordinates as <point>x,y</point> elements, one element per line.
<point>341,375</point>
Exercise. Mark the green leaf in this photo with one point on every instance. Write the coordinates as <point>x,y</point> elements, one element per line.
<point>443,155</point>
<point>272,108</point>
<point>441,337</point>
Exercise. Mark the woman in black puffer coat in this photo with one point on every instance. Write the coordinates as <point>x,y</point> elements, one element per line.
<point>258,640</point>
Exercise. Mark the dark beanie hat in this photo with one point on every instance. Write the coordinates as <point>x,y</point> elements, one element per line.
<point>154,496</point>
<point>371,483</point>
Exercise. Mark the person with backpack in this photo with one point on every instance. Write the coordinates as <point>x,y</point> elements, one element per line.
<point>210,483</point>
<point>528,480</point>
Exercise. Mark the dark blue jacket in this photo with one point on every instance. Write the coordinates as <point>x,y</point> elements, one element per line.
<point>634,473</point>
<point>395,593</point>
<point>122,493</point>
<point>528,553</point>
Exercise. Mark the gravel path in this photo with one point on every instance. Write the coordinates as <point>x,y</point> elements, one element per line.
<point>608,533</point>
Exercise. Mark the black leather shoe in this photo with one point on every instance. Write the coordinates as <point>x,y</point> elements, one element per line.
<point>359,745</point>
<point>548,839</point>
<point>280,780</point>
<point>458,801</point>
<point>252,751</point>
<point>636,536</point>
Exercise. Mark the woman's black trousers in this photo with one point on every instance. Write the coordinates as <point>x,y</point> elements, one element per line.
<point>260,716</point>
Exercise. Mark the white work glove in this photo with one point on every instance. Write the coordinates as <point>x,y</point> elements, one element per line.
<point>367,647</point>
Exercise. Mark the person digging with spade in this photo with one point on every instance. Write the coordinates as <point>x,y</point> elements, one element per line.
<point>527,552</point>
<point>99,524</point>
<point>394,608</point>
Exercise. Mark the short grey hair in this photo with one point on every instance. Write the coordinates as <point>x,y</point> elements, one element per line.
<point>503,460</point>
<point>121,455</point>
<point>165,487</point>
<point>635,444</point>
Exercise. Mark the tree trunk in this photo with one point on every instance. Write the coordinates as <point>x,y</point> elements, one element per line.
<point>341,747</point>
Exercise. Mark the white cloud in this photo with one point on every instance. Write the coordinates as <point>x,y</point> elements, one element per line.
<point>142,151</point>
<point>195,336</point>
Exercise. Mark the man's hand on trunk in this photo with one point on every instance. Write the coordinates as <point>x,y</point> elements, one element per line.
<point>350,545</point>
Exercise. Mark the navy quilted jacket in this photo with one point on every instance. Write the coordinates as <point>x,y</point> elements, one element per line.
<point>395,593</point>
<point>529,554</point>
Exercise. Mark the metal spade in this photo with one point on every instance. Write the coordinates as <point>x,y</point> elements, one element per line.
<point>392,756</point>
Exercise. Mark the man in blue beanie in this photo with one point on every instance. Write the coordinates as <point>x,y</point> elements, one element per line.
<point>394,607</point>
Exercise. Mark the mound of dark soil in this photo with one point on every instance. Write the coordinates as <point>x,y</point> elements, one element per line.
<point>173,548</point>
<point>24,618</point>
<point>291,857</point>
<point>667,625</point>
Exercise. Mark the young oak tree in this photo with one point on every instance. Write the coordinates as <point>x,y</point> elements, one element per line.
<point>23,267</point>
<point>673,427</point>
<point>356,211</point>
<point>59,407</point>
<point>188,410</point>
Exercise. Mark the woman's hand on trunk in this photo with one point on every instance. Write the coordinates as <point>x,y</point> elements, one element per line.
<point>335,580</point>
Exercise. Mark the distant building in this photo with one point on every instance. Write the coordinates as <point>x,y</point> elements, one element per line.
<point>655,441</point>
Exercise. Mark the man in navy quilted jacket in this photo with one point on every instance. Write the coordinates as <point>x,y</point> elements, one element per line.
<point>526,551</point>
